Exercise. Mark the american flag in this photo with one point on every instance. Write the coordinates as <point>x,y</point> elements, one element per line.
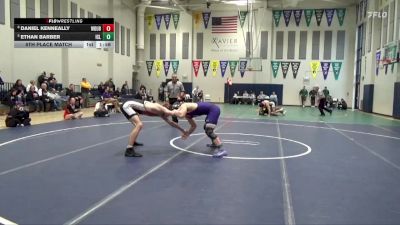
<point>224,25</point>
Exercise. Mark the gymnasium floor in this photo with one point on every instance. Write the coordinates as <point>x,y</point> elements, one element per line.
<point>297,169</point>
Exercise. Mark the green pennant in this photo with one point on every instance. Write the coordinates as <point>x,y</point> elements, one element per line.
<point>175,65</point>
<point>277,16</point>
<point>308,13</point>
<point>232,67</point>
<point>275,67</point>
<point>340,14</point>
<point>336,66</point>
<point>242,17</point>
<point>175,18</point>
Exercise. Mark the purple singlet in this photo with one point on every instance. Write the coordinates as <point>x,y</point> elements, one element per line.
<point>205,108</point>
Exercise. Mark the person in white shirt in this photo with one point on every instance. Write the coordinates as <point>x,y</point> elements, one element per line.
<point>194,93</point>
<point>32,83</point>
<point>274,97</point>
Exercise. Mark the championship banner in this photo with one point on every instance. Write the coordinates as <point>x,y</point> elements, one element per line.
<point>286,15</point>
<point>308,13</point>
<point>150,21</point>
<point>325,69</point>
<point>329,13</point>
<point>319,13</point>
<point>242,17</point>
<point>295,68</point>
<point>214,67</point>
<point>149,65</point>
<point>314,68</point>
<point>175,18</point>
<point>166,67</point>
<point>167,19</point>
<point>232,67</point>
<point>297,16</point>
<point>285,68</point>
<point>158,20</point>
<point>277,16</point>
<point>336,66</point>
<point>158,67</point>
<point>175,66</point>
<point>196,66</point>
<point>206,18</point>
<point>377,61</point>
<point>275,67</point>
<point>340,15</point>
<point>205,65</point>
<point>242,67</point>
<point>223,65</point>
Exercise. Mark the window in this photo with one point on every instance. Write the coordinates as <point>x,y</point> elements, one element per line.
<point>128,42</point>
<point>377,32</point>
<point>14,11</point>
<point>56,9</point>
<point>2,12</point>
<point>327,45</point>
<point>391,21</point>
<point>185,46</point>
<point>364,37</point>
<point>163,40</point>
<point>199,46</point>
<point>44,8</point>
<point>82,13</point>
<point>279,45</point>
<point>74,10</point>
<point>90,14</point>
<point>116,40</point>
<point>172,46</point>
<point>153,39</point>
<point>370,21</point>
<point>303,45</point>
<point>264,45</point>
<point>340,44</point>
<point>122,40</point>
<point>30,8</point>
<point>291,44</point>
<point>315,45</point>
<point>385,28</point>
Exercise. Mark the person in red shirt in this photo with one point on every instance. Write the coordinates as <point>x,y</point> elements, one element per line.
<point>71,112</point>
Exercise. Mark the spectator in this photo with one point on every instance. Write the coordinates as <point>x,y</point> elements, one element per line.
<point>100,110</point>
<point>52,82</point>
<point>43,94</point>
<point>303,95</point>
<point>117,93</point>
<point>72,94</point>
<point>56,98</point>
<point>33,99</point>
<point>312,94</point>
<point>326,92</point>
<point>195,91</point>
<point>85,90</point>
<point>235,99</point>
<point>19,86</point>
<point>1,80</point>
<point>342,104</point>
<point>262,97</point>
<point>42,78</point>
<point>125,89</point>
<point>71,112</point>
<point>101,88</point>
<point>31,83</point>
<point>253,98</point>
<point>18,116</point>
<point>16,99</point>
<point>273,97</point>
<point>245,98</point>
<point>110,84</point>
<point>108,99</point>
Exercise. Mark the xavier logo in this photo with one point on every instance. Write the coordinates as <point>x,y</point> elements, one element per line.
<point>219,42</point>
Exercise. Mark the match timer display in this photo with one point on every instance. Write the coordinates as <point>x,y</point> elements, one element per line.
<point>64,33</point>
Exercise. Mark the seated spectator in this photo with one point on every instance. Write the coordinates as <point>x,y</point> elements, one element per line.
<point>70,92</point>
<point>18,116</point>
<point>235,100</point>
<point>100,110</point>
<point>43,94</point>
<point>19,86</point>
<point>31,83</point>
<point>110,84</point>
<point>342,104</point>
<point>117,93</point>
<point>101,88</point>
<point>273,97</point>
<point>16,99</point>
<point>57,100</point>
<point>253,98</point>
<point>71,112</point>
<point>33,99</point>
<point>246,98</point>
<point>262,97</point>
<point>125,89</point>
<point>329,101</point>
<point>108,99</point>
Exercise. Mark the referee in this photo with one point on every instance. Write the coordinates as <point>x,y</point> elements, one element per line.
<point>321,101</point>
<point>175,92</point>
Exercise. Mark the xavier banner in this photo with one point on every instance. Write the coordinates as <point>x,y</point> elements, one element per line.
<point>206,18</point>
<point>214,67</point>
<point>277,16</point>
<point>319,13</point>
<point>159,64</point>
<point>275,67</point>
<point>166,67</point>
<point>314,68</point>
<point>196,66</point>
<point>286,15</point>
<point>175,65</point>
<point>325,69</point>
<point>308,13</point>
<point>285,68</point>
<point>232,67</point>
<point>149,65</point>
<point>205,65</point>
<point>242,67</point>
<point>336,66</point>
<point>223,65</point>
<point>158,20</point>
<point>297,16</point>
<point>295,68</point>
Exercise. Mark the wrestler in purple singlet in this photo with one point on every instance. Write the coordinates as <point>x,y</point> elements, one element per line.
<point>205,108</point>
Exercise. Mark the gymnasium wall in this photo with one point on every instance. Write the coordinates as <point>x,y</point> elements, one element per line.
<point>69,65</point>
<point>379,32</point>
<point>263,22</point>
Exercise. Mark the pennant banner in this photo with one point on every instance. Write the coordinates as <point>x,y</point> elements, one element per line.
<point>197,18</point>
<point>242,17</point>
<point>232,67</point>
<point>167,19</point>
<point>205,64</point>
<point>242,67</point>
<point>175,66</point>
<point>286,15</point>
<point>149,65</point>
<point>150,21</point>
<point>336,66</point>
<point>206,18</point>
<point>166,67</point>
<point>196,66</point>
<point>175,18</point>
<point>319,13</point>
<point>314,68</point>
<point>275,67</point>
<point>285,68</point>
<point>295,68</point>
<point>308,13</point>
<point>214,67</point>
<point>158,20</point>
<point>158,67</point>
<point>297,16</point>
<point>325,69</point>
<point>329,13</point>
<point>277,16</point>
<point>377,61</point>
<point>223,65</point>
<point>340,15</point>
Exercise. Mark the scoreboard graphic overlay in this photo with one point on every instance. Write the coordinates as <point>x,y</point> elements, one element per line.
<point>64,33</point>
